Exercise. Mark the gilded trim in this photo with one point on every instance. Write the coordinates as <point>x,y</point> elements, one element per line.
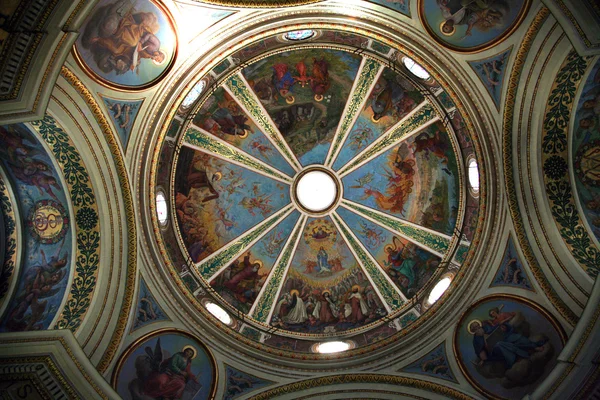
<point>109,135</point>
<point>509,112</point>
<point>373,379</point>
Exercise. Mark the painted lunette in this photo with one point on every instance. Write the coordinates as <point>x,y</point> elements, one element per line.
<point>238,87</point>
<point>434,242</point>
<point>87,231</point>
<point>261,310</point>
<point>203,141</point>
<point>555,148</point>
<point>424,115</point>
<point>391,296</point>
<point>367,76</point>
<point>221,259</point>
<point>12,245</point>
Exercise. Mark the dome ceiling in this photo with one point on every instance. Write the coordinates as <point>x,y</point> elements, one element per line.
<point>390,143</point>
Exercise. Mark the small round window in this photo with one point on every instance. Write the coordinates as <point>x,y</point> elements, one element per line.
<point>332,347</point>
<point>415,69</point>
<point>473,171</point>
<point>219,313</point>
<point>438,290</point>
<point>161,208</point>
<point>299,35</point>
<point>193,95</point>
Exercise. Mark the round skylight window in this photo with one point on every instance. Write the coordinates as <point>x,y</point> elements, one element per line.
<point>438,290</point>
<point>332,347</point>
<point>316,191</point>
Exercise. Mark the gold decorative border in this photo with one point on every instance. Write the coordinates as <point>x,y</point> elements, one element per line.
<point>479,48</point>
<point>545,313</point>
<point>400,381</point>
<point>563,7</point>
<point>109,135</point>
<point>162,133</point>
<point>131,88</point>
<point>164,331</point>
<point>259,3</point>
<point>507,148</point>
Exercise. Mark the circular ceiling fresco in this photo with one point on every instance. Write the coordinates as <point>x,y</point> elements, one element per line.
<point>318,192</point>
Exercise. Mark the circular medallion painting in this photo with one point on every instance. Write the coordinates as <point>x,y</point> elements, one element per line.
<point>49,221</point>
<point>127,44</point>
<point>506,345</point>
<point>471,25</point>
<point>166,364</point>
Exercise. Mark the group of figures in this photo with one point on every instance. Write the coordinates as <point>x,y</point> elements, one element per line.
<point>471,24</point>
<point>46,267</point>
<point>222,116</point>
<point>427,162</point>
<point>345,305</point>
<point>304,92</point>
<point>127,42</point>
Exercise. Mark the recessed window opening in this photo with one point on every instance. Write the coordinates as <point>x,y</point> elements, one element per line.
<point>473,171</point>
<point>332,347</point>
<point>415,69</point>
<point>193,95</point>
<point>161,208</point>
<point>219,313</point>
<point>438,290</point>
<point>299,35</point>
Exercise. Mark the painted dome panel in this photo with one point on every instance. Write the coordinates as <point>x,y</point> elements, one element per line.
<point>304,93</point>
<point>240,283</point>
<point>222,116</point>
<point>325,290</point>
<point>392,98</point>
<point>409,266</point>
<point>416,181</point>
<point>217,201</point>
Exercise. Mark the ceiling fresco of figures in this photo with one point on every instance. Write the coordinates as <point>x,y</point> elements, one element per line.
<point>377,132</point>
<point>305,96</point>
<point>127,44</point>
<point>464,25</point>
<point>48,252</point>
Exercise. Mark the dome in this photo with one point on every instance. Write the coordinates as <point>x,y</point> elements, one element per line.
<point>341,121</point>
<point>299,199</point>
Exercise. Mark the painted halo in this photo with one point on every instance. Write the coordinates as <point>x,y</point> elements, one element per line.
<point>505,345</point>
<point>472,27</point>
<point>127,47</point>
<point>137,373</point>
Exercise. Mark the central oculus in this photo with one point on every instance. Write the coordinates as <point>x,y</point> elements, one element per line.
<point>316,190</point>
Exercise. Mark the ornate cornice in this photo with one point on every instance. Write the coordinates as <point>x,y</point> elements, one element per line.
<point>124,183</point>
